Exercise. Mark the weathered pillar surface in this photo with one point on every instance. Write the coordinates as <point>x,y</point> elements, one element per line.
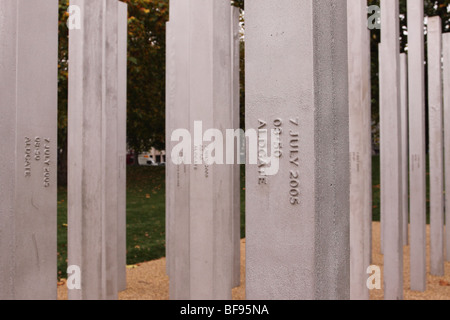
<point>201,208</point>
<point>370,212</point>
<point>28,126</point>
<point>383,124</point>
<point>177,183</point>
<point>122,147</point>
<point>211,243</point>
<point>169,106</point>
<point>360,149</point>
<point>110,145</point>
<point>404,140</point>
<point>92,134</point>
<point>446,51</point>
<point>417,158</point>
<point>435,113</point>
<point>298,219</point>
<point>8,56</point>
<point>391,183</point>
<point>235,112</point>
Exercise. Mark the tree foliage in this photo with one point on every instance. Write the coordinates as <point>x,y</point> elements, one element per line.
<point>146,73</point>
<point>63,73</point>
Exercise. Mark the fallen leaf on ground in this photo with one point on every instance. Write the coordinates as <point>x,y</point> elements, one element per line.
<point>444,283</point>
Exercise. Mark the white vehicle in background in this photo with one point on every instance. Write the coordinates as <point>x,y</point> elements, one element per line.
<point>150,158</point>
<point>145,159</point>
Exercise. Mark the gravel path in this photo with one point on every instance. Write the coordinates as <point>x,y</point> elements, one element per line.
<point>148,281</point>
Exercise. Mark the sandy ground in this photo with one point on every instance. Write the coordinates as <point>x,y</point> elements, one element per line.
<point>438,288</point>
<point>148,281</point>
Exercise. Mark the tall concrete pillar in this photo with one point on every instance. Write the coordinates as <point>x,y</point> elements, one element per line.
<point>169,106</point>
<point>211,209</point>
<point>417,157</point>
<point>404,139</point>
<point>391,158</point>
<point>28,161</point>
<point>122,147</point>
<point>168,188</point>
<point>446,71</point>
<point>370,212</point>
<point>360,148</point>
<point>235,112</point>
<point>382,101</point>
<point>92,138</point>
<point>177,179</point>
<point>199,98</point>
<point>297,220</point>
<point>435,125</point>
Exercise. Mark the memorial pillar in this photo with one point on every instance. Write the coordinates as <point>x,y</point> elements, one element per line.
<point>28,161</point>
<point>417,157</point>
<point>391,159</point>
<point>435,123</point>
<point>92,138</point>
<point>360,148</point>
<point>297,214</point>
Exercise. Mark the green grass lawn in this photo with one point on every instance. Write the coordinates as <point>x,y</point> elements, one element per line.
<point>145,217</point>
<point>62,232</point>
<point>376,188</point>
<point>146,213</point>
